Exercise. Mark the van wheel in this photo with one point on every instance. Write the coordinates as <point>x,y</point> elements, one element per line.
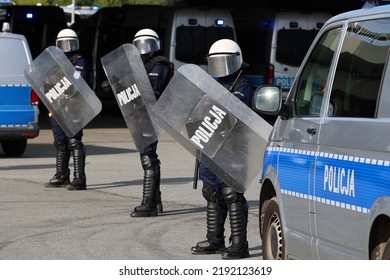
<point>261,217</point>
<point>14,148</point>
<point>381,251</point>
<point>386,252</point>
<point>273,242</point>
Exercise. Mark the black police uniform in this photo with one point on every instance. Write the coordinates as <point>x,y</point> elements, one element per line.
<point>223,199</point>
<point>158,70</point>
<point>69,145</point>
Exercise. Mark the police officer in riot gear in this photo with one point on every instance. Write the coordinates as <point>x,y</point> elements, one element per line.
<point>225,63</point>
<point>68,41</point>
<point>158,69</point>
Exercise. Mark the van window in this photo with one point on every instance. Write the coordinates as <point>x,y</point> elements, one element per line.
<point>360,67</point>
<point>193,42</point>
<point>293,45</point>
<point>311,85</point>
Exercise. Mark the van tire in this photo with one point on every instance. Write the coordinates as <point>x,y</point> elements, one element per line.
<point>273,241</point>
<point>14,148</point>
<point>386,251</point>
<point>262,208</point>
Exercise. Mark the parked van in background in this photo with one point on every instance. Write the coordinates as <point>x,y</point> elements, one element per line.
<point>186,35</point>
<point>274,43</point>
<point>193,32</point>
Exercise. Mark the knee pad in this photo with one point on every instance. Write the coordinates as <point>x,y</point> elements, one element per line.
<point>148,162</point>
<point>209,193</point>
<point>230,195</point>
<point>60,145</point>
<point>75,144</point>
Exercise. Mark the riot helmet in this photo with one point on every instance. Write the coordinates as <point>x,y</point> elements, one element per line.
<point>224,58</point>
<point>146,41</point>
<point>67,40</point>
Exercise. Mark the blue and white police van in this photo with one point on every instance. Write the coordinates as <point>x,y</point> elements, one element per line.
<point>325,184</point>
<point>18,102</point>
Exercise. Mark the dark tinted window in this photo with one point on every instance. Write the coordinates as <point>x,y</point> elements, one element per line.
<point>293,45</point>
<point>194,42</point>
<point>360,67</point>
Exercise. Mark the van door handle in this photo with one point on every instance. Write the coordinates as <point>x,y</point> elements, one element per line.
<point>311,131</point>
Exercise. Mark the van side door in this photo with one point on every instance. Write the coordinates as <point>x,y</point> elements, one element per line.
<point>300,132</point>
<point>352,165</point>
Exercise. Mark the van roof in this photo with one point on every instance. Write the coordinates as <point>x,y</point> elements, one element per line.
<point>12,35</point>
<point>374,11</point>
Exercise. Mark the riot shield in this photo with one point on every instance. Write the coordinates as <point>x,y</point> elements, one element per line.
<point>133,92</point>
<point>62,90</point>
<point>214,126</point>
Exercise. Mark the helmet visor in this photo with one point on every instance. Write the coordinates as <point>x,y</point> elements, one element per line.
<point>223,64</point>
<point>68,45</point>
<point>146,45</point>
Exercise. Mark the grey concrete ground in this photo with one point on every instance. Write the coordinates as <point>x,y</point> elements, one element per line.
<point>41,223</point>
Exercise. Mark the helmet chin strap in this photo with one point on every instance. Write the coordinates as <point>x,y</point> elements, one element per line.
<point>235,81</point>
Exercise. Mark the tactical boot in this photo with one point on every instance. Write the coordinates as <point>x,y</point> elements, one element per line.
<point>61,178</point>
<point>79,181</point>
<point>213,245</point>
<point>238,221</point>
<point>148,207</point>
<point>159,203</point>
<point>158,191</point>
<point>77,184</point>
<point>215,241</point>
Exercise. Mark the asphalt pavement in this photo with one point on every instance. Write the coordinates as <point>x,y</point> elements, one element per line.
<point>38,223</point>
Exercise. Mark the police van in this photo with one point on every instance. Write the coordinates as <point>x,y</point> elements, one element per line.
<point>325,184</point>
<point>193,32</point>
<point>18,102</point>
<point>274,42</point>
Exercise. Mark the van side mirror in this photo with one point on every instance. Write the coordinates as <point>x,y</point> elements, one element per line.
<point>267,100</point>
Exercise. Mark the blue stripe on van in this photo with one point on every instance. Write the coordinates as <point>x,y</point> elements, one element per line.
<point>15,108</point>
<point>14,94</point>
<point>348,182</point>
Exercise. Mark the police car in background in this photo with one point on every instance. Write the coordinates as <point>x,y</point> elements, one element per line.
<point>325,186</point>
<point>18,102</point>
